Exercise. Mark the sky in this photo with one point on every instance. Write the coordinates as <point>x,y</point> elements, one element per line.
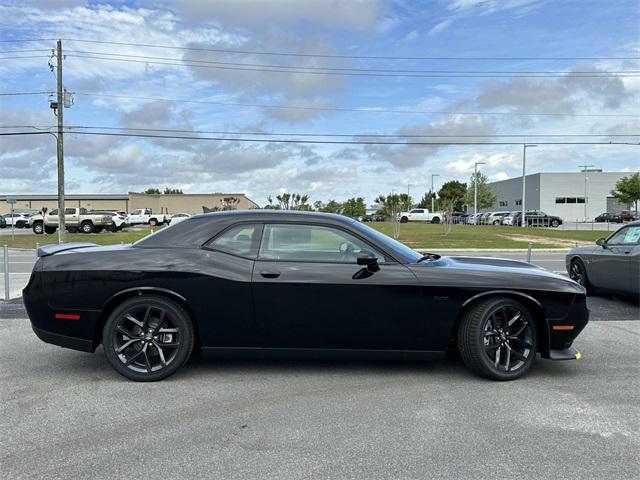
<point>148,85</point>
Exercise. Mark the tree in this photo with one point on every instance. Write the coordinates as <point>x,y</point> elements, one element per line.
<point>354,207</point>
<point>425,202</point>
<point>452,195</point>
<point>152,191</point>
<point>173,191</point>
<point>290,201</point>
<point>628,190</point>
<point>230,203</point>
<point>270,205</point>
<point>391,206</point>
<point>330,207</point>
<point>486,195</point>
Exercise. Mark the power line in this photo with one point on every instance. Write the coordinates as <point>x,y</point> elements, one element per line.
<point>323,55</point>
<point>301,70</point>
<point>368,70</point>
<point>331,142</point>
<point>24,40</point>
<point>73,128</point>
<point>10,94</point>
<point>23,56</point>
<point>368,110</point>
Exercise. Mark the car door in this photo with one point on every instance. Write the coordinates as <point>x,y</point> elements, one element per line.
<point>309,292</point>
<point>609,265</point>
<point>71,217</point>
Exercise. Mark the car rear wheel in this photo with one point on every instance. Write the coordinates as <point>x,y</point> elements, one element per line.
<point>153,222</point>
<point>578,273</point>
<point>404,220</point>
<point>555,223</point>
<point>148,338</point>
<point>86,227</point>
<point>435,220</point>
<point>50,230</point>
<point>497,339</point>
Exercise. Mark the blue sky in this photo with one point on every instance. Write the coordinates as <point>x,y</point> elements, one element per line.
<point>458,28</point>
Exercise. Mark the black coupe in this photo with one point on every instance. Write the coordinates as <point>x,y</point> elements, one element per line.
<point>296,283</point>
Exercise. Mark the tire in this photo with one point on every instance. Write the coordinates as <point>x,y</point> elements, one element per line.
<point>153,222</point>
<point>496,222</point>
<point>38,228</point>
<point>97,229</point>
<point>20,225</point>
<point>72,229</point>
<point>87,227</point>
<point>143,356</point>
<point>487,339</point>
<point>555,223</point>
<point>578,273</point>
<point>435,220</point>
<point>50,230</point>
<point>404,220</point>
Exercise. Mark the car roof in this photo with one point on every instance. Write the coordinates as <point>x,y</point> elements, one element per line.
<point>273,214</point>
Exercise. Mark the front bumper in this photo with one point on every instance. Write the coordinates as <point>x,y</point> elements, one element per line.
<point>562,332</point>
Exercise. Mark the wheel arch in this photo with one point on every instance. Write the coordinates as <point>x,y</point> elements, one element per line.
<point>534,306</point>
<point>119,297</point>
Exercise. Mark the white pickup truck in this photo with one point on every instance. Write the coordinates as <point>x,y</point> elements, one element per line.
<point>145,216</point>
<point>421,215</point>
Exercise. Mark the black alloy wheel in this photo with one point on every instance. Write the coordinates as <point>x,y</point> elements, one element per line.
<point>153,222</point>
<point>497,339</point>
<point>578,273</point>
<point>148,338</point>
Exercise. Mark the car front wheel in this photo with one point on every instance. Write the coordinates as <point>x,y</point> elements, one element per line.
<point>148,338</point>
<point>87,227</point>
<point>497,339</point>
<point>435,220</point>
<point>578,273</point>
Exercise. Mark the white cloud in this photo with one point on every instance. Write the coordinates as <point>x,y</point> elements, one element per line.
<point>439,27</point>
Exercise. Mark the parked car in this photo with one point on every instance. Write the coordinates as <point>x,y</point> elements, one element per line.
<point>145,216</point>
<point>536,218</point>
<point>628,216</point>
<point>18,220</point>
<point>119,221</point>
<point>612,265</point>
<point>421,215</point>
<point>76,219</point>
<point>3,222</point>
<point>512,219</point>
<point>495,218</point>
<point>289,283</point>
<point>608,217</point>
<point>178,217</point>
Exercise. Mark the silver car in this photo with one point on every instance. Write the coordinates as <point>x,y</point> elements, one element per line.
<point>612,265</point>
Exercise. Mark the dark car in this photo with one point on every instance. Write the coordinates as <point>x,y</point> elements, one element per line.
<point>296,283</point>
<point>608,217</point>
<point>3,222</point>
<point>612,265</point>
<point>628,216</point>
<point>536,218</point>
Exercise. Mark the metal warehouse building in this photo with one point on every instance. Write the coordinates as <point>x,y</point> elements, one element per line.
<point>187,203</point>
<point>561,194</point>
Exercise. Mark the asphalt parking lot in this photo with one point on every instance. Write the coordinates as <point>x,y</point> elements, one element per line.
<point>66,414</point>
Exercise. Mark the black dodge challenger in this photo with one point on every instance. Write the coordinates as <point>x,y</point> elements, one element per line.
<point>293,283</point>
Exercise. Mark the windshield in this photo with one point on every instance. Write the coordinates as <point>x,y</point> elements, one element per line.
<point>399,250</point>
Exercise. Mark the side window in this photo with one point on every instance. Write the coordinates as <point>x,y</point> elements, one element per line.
<point>311,243</point>
<point>241,240</point>
<point>626,236</point>
<point>69,211</point>
<point>53,212</point>
<point>83,211</point>
<point>416,210</point>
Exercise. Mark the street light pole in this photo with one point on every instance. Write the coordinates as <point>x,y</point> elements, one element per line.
<point>524,180</point>
<point>60,151</point>
<point>475,187</point>
<point>433,193</point>
<point>585,169</point>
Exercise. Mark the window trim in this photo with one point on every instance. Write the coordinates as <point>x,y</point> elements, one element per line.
<point>621,230</point>
<point>388,259</point>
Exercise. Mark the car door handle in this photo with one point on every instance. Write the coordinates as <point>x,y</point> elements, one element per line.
<point>270,274</point>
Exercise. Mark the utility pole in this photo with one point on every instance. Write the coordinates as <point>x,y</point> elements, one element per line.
<point>475,187</point>
<point>524,181</point>
<point>60,149</point>
<point>585,170</point>
<point>433,193</point>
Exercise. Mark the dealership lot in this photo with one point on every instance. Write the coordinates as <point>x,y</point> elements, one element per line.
<point>67,414</point>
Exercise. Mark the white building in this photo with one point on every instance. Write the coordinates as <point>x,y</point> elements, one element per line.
<point>561,194</point>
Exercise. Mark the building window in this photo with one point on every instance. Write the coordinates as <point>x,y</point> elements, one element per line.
<point>569,199</point>
<point>518,202</point>
<point>504,203</point>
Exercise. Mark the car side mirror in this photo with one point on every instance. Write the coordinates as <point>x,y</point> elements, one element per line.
<point>369,260</point>
<point>601,242</point>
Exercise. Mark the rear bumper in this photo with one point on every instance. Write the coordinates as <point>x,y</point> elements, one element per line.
<point>63,340</point>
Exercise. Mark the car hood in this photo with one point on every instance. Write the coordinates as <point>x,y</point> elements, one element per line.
<point>579,250</point>
<point>491,273</point>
